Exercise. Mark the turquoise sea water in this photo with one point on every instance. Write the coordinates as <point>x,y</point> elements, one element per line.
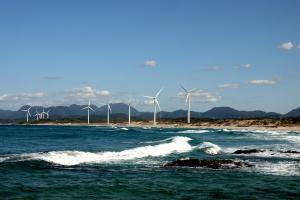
<point>56,162</point>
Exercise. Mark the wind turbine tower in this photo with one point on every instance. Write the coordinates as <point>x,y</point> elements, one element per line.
<point>43,114</point>
<point>188,101</point>
<point>108,111</point>
<point>47,113</point>
<point>27,113</point>
<point>155,103</point>
<point>37,115</point>
<point>88,108</point>
<point>129,114</point>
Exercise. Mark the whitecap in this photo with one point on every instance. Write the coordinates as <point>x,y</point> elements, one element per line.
<point>194,131</point>
<point>3,159</point>
<point>209,148</point>
<point>68,158</point>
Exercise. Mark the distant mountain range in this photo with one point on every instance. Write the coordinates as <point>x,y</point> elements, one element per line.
<point>121,110</point>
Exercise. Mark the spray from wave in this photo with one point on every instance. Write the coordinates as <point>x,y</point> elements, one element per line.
<point>209,148</point>
<point>68,158</point>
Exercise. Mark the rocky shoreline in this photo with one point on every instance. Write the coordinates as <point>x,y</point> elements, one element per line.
<point>220,164</point>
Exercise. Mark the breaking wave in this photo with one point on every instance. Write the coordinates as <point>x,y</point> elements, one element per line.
<point>68,158</point>
<point>209,148</point>
<point>3,159</point>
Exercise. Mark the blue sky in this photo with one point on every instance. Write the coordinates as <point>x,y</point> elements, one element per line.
<point>243,54</point>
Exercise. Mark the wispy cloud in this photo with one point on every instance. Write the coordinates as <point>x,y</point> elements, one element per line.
<point>103,93</point>
<point>200,96</point>
<point>22,97</point>
<point>286,45</point>
<point>229,86</point>
<point>247,66</point>
<point>150,63</point>
<point>17,100</point>
<point>263,82</point>
<point>147,102</point>
<point>87,92</point>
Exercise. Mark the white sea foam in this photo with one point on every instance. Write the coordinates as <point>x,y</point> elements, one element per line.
<point>176,145</point>
<point>292,137</point>
<point>3,159</point>
<point>283,168</point>
<point>124,129</point>
<point>209,148</point>
<point>194,131</point>
<point>256,131</point>
<point>269,151</point>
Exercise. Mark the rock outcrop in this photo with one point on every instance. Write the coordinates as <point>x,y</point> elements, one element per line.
<point>290,151</point>
<point>211,164</point>
<point>248,151</point>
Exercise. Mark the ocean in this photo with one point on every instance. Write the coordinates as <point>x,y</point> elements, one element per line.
<point>90,162</point>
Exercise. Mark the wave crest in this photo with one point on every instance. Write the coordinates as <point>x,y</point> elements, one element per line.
<point>209,148</point>
<point>68,158</point>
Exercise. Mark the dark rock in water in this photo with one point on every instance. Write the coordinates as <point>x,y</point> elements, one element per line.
<point>248,151</point>
<point>289,151</point>
<point>211,164</point>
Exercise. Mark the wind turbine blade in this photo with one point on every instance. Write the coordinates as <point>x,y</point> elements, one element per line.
<point>91,108</point>
<point>184,89</point>
<point>192,90</point>
<point>84,108</point>
<point>156,102</point>
<point>149,97</point>
<point>109,108</point>
<point>158,92</point>
<point>29,113</point>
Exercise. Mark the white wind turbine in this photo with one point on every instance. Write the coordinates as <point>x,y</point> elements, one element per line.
<point>129,103</point>
<point>88,108</point>
<point>129,114</point>
<point>47,113</point>
<point>27,113</point>
<point>37,115</point>
<point>43,113</point>
<point>188,101</point>
<point>155,103</point>
<point>108,111</point>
